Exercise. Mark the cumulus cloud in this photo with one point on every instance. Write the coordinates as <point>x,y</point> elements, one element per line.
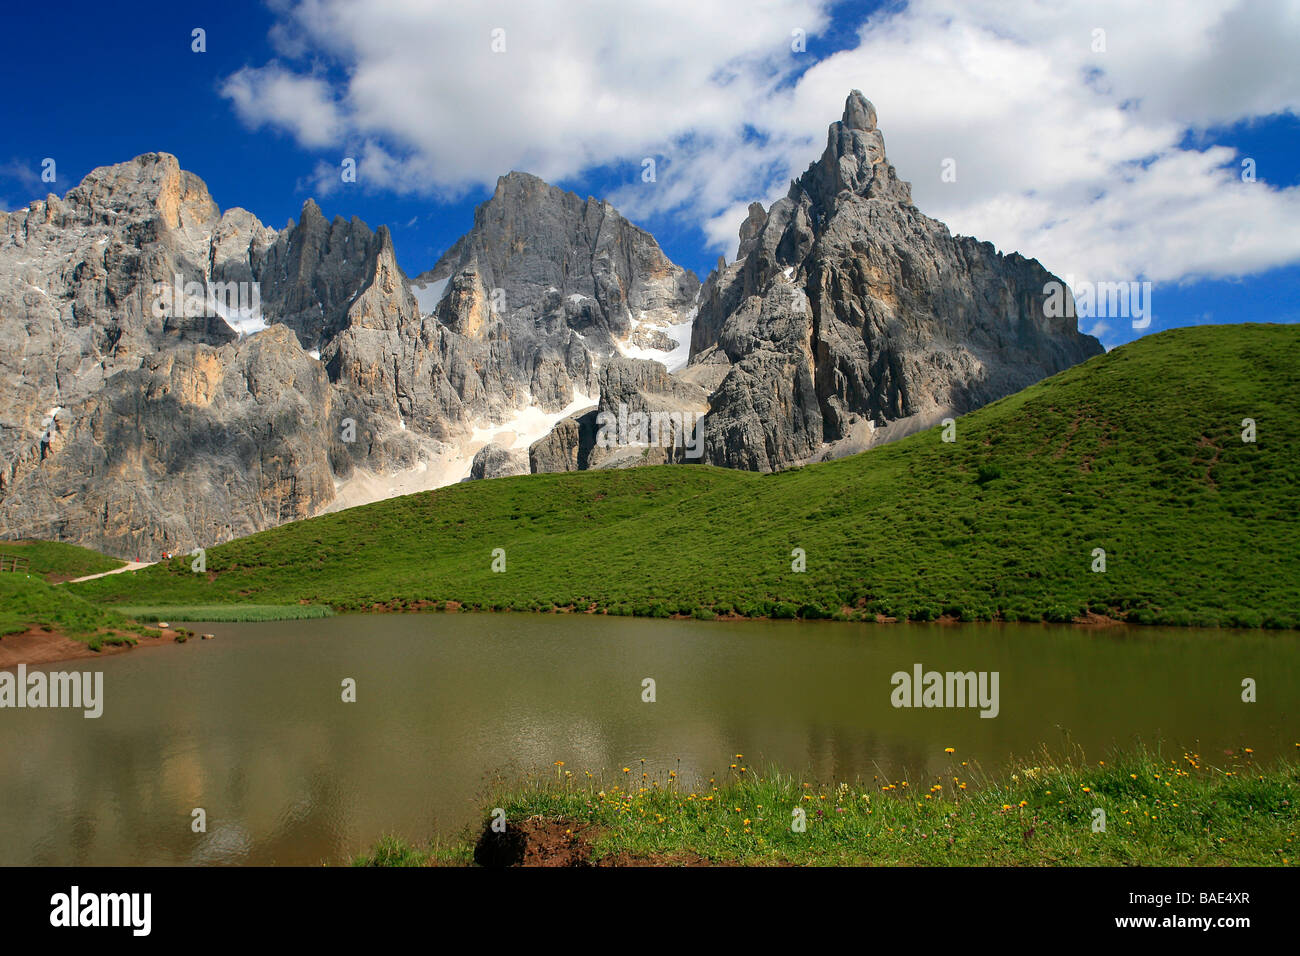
<point>1068,122</point>
<point>274,96</point>
<point>1068,141</point>
<point>452,95</point>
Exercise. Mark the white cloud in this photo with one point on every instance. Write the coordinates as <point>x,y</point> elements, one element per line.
<point>301,104</point>
<point>577,84</point>
<point>1073,156</point>
<point>1065,153</point>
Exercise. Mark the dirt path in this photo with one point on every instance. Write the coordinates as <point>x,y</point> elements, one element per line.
<point>129,566</point>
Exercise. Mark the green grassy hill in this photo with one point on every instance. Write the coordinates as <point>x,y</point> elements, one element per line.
<point>27,601</point>
<point>1139,452</point>
<point>56,561</point>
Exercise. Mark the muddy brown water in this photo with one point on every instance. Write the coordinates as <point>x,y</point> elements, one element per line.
<point>251,726</point>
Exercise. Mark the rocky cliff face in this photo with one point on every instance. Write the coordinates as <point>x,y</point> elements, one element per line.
<point>197,445</point>
<point>546,280</point>
<point>148,406</point>
<point>494,461</point>
<point>622,431</point>
<point>850,316</point>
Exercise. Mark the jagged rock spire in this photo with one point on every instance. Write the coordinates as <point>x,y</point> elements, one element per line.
<point>854,160</point>
<point>849,311</point>
<point>858,112</point>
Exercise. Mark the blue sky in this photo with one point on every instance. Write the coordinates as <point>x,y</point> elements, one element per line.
<point>1113,164</point>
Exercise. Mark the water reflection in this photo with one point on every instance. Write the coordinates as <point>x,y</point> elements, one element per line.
<point>251,727</point>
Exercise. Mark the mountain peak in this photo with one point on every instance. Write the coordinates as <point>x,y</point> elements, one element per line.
<point>854,160</point>
<point>858,112</point>
<point>516,182</point>
<point>147,185</point>
<point>848,310</point>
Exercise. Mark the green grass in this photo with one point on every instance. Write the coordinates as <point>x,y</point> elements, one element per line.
<point>56,561</point>
<point>1138,452</point>
<point>1159,811</point>
<point>27,601</point>
<point>393,851</point>
<point>228,612</point>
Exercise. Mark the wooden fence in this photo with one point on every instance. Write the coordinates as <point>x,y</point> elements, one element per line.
<point>13,562</point>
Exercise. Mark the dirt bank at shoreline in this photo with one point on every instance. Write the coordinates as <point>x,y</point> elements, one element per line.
<point>36,646</point>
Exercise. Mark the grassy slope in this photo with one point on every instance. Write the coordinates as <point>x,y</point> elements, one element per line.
<point>27,601</point>
<point>1138,452</point>
<point>57,561</point>
<point>1158,811</point>
<point>30,599</point>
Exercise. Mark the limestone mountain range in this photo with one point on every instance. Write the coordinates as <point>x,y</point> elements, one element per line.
<point>136,423</point>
